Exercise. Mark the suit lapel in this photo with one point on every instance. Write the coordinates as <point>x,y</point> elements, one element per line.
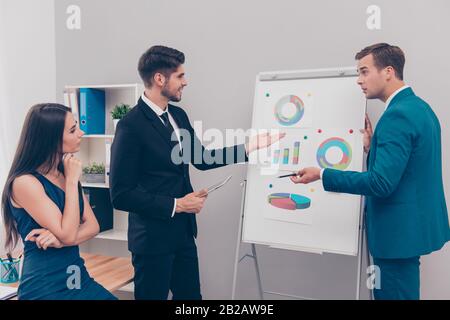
<point>181,125</point>
<point>398,98</point>
<point>156,122</point>
<point>173,112</point>
<point>159,127</point>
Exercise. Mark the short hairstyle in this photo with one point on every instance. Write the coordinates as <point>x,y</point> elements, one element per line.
<point>385,55</point>
<point>159,59</point>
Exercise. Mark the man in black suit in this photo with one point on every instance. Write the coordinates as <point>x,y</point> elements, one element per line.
<point>148,179</point>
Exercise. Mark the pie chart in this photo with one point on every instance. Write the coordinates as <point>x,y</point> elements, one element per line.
<point>289,201</point>
<point>339,143</point>
<point>283,113</point>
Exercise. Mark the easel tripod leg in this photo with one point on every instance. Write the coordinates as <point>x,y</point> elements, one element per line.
<point>258,274</point>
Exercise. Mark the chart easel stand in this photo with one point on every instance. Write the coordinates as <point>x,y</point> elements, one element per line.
<point>362,240</point>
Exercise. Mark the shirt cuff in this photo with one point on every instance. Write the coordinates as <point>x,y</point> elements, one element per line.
<point>321,173</point>
<point>174,206</point>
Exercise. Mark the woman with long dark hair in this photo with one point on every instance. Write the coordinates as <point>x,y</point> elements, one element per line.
<point>43,204</point>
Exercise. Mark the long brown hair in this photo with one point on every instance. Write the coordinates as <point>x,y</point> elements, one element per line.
<point>40,146</point>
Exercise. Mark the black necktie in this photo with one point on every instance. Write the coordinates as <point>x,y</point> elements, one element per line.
<point>165,119</point>
<point>168,125</point>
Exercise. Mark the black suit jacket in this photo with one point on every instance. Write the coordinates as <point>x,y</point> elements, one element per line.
<point>145,181</point>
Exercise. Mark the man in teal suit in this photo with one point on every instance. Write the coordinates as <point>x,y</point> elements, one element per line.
<point>406,213</point>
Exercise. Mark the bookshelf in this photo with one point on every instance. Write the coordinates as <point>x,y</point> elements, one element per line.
<point>96,148</point>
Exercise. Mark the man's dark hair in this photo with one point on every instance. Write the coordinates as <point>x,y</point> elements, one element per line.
<point>385,55</point>
<point>159,59</point>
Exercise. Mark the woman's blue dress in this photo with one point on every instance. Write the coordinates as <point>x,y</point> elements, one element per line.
<point>54,274</point>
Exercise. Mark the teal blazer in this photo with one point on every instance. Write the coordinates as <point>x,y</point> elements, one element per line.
<point>406,213</point>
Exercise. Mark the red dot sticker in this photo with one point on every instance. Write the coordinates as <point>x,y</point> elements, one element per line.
<point>351,131</point>
<point>319,131</point>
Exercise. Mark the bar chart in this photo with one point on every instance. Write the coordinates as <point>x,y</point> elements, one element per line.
<point>285,156</point>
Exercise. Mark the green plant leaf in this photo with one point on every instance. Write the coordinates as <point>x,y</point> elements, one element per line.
<point>94,168</point>
<point>120,110</point>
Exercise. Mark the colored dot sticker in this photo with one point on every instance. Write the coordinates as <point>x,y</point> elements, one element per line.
<point>305,137</point>
<point>270,185</point>
<point>319,131</point>
<point>267,95</point>
<point>351,131</point>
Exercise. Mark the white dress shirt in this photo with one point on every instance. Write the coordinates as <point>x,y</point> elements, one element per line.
<point>159,112</point>
<point>388,101</point>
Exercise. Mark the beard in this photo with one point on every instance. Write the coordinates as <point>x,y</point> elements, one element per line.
<point>170,95</point>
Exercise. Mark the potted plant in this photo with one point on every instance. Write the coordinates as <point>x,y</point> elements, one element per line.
<point>119,111</point>
<point>95,173</point>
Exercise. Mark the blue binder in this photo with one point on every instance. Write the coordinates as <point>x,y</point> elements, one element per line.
<point>92,111</point>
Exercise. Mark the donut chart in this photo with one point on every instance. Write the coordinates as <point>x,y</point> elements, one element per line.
<point>285,120</point>
<point>340,143</point>
<point>289,201</point>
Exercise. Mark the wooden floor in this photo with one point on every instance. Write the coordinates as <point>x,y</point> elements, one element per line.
<point>111,272</point>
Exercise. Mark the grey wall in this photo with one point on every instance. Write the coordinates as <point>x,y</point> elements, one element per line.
<point>226,44</point>
<point>27,63</point>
